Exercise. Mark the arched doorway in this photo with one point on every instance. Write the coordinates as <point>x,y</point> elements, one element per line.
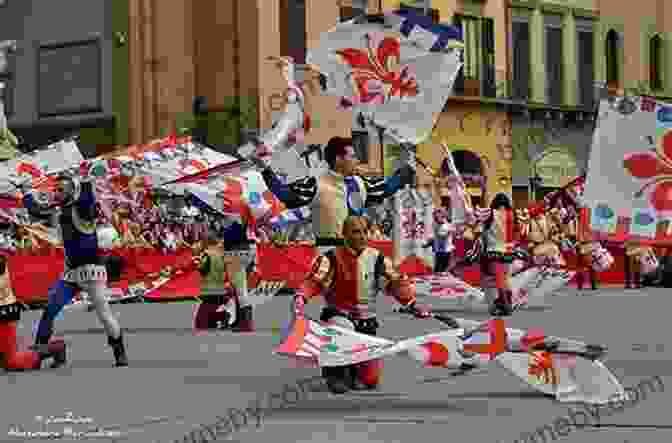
<point>555,167</point>
<point>470,166</point>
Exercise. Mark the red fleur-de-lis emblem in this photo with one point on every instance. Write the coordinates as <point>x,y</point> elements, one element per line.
<point>655,166</point>
<point>542,369</point>
<point>372,74</point>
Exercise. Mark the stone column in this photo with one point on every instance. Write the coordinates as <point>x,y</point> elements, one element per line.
<point>569,60</point>
<point>537,61</point>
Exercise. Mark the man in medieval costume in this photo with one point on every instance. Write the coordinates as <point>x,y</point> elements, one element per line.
<point>576,225</point>
<point>349,277</point>
<point>225,267</point>
<point>13,358</point>
<point>337,194</point>
<point>73,206</point>
<point>498,255</point>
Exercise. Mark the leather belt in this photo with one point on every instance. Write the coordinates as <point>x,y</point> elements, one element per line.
<point>10,312</point>
<point>86,273</point>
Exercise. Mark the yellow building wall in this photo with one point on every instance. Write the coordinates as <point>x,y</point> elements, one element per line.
<point>483,131</point>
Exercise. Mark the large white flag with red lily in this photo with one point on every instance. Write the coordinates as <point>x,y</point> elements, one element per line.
<point>400,67</point>
<point>566,373</point>
<point>630,167</point>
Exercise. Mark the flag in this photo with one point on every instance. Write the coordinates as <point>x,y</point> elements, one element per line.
<point>331,345</point>
<point>301,341</point>
<point>604,219</point>
<point>644,222</point>
<point>400,67</point>
<point>447,286</point>
<point>570,378</point>
<point>289,217</point>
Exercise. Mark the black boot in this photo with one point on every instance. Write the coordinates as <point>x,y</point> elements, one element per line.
<point>244,320</point>
<point>594,352</point>
<point>503,305</point>
<point>119,350</point>
<point>337,379</point>
<point>353,381</point>
<point>54,349</point>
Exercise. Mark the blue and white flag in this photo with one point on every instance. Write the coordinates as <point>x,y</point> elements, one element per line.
<point>398,68</point>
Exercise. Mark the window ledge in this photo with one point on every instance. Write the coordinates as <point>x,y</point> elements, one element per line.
<point>481,99</point>
<point>517,103</point>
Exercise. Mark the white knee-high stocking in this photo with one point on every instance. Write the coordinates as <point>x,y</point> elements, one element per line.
<point>96,291</point>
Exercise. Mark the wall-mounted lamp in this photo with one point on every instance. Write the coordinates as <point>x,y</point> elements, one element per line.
<point>120,39</point>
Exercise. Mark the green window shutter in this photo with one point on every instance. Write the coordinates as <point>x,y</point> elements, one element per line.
<point>521,59</point>
<point>488,63</point>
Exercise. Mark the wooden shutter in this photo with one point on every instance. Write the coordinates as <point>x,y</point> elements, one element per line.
<point>488,64</point>
<point>585,66</point>
<point>554,65</point>
<point>293,29</point>
<point>284,27</point>
<point>521,60</point>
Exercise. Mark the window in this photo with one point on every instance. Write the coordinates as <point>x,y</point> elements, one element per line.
<point>488,66</point>
<point>585,62</point>
<point>554,77</point>
<point>293,29</point>
<point>655,63</point>
<point>611,54</point>
<point>69,78</point>
<point>520,34</point>
<point>477,76</point>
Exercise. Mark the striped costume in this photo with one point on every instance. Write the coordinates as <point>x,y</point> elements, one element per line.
<point>77,225</point>
<point>498,236</point>
<point>332,198</point>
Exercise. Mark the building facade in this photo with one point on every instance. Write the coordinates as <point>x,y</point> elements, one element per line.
<point>127,71</point>
<point>626,53</point>
<point>553,71</point>
<point>66,70</point>
<point>635,50</point>
<point>475,123</point>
